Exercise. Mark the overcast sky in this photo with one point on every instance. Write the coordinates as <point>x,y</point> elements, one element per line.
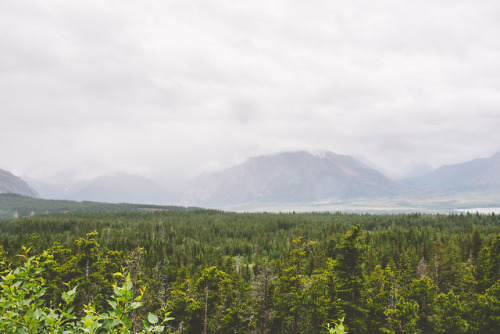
<point>171,88</point>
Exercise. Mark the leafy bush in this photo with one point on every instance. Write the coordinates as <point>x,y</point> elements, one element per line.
<point>22,308</point>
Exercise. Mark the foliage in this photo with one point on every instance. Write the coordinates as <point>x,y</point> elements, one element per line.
<point>21,306</point>
<point>22,309</point>
<point>338,329</point>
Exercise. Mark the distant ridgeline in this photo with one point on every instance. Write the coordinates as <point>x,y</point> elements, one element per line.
<point>324,182</point>
<point>14,205</point>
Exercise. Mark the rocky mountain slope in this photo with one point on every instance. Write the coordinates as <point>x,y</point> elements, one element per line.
<point>293,177</point>
<point>478,175</point>
<point>11,184</point>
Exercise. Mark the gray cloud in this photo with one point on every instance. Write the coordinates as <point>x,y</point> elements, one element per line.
<point>174,87</point>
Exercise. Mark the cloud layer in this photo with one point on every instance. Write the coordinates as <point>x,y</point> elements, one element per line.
<point>170,88</point>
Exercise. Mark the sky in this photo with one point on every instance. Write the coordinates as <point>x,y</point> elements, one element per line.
<point>169,89</point>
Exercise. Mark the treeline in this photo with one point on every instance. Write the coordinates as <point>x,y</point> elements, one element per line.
<point>14,205</point>
<point>219,272</point>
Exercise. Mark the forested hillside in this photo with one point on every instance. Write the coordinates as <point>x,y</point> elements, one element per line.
<point>220,272</point>
<point>14,205</point>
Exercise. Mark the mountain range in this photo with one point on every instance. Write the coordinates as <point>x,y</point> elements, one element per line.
<point>285,178</point>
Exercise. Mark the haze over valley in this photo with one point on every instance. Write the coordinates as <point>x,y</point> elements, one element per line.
<point>289,181</point>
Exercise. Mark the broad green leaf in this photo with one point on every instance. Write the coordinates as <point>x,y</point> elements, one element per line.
<point>112,304</point>
<point>135,305</point>
<point>152,318</point>
<point>129,285</point>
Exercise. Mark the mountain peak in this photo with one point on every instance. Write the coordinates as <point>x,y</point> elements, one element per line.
<point>298,176</point>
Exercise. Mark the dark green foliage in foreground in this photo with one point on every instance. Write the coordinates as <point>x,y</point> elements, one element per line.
<point>23,309</point>
<point>220,272</point>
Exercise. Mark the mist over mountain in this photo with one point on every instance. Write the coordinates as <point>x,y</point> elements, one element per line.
<point>478,175</point>
<point>120,188</point>
<point>288,178</point>
<point>9,183</point>
<point>293,177</point>
<point>109,188</point>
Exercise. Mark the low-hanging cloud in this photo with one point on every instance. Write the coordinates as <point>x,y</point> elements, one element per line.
<point>173,87</point>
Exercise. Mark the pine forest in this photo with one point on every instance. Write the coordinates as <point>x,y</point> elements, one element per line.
<point>207,271</point>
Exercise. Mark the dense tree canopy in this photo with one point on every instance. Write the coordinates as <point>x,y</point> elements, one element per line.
<point>220,272</point>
